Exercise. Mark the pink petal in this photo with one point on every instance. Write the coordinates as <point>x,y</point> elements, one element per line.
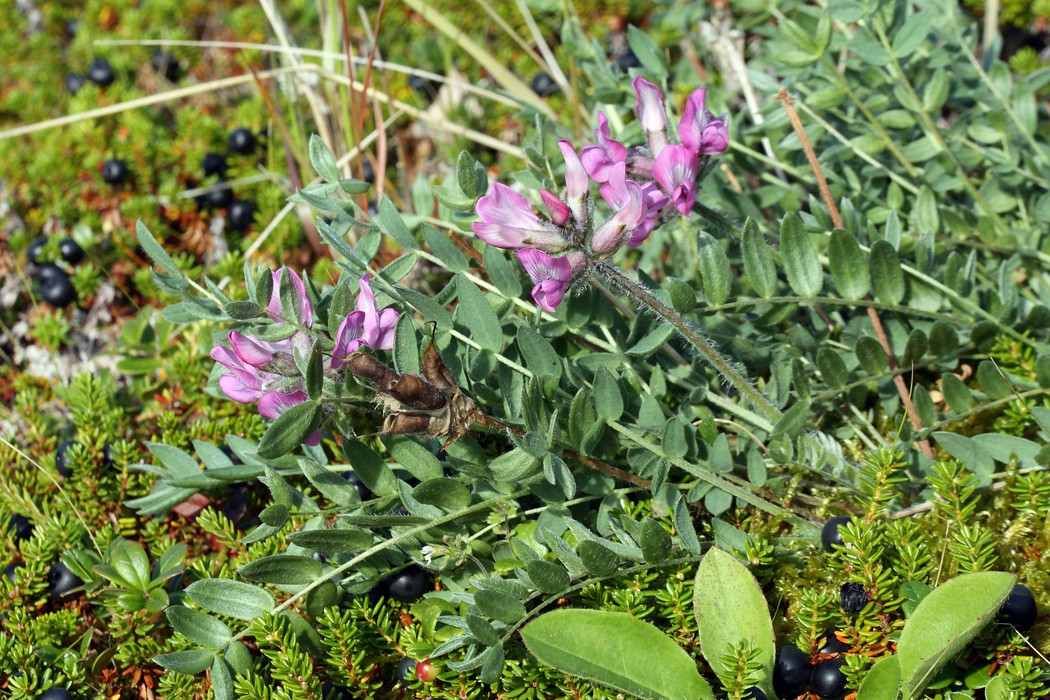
<point>541,266</point>
<point>348,337</point>
<point>715,138</point>
<point>691,127</point>
<point>306,309</point>
<point>505,207</point>
<point>385,329</point>
<point>549,293</point>
<point>249,350</point>
<point>508,237</point>
<point>237,389</point>
<point>575,181</point>
<point>650,105</point>
<point>629,213</point>
<point>274,403</point>
<point>675,170</point>
<point>558,209</point>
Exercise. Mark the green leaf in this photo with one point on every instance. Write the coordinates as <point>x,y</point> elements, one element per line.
<point>391,223</point>
<point>924,213</point>
<point>618,650</point>
<point>243,310</point>
<point>190,662</point>
<point>598,558</point>
<point>935,94</point>
<point>655,541</point>
<point>715,270</point>
<point>648,53</point>
<point>608,400</point>
<point>548,576</point>
<point>832,367</point>
<point>793,420</point>
<point>801,264</point>
<point>155,251</point>
<point>492,666</point>
<point>406,346</point>
<point>452,257</point>
<point>882,681</point>
<point>314,373</point>
<point>322,159</point>
<point>956,393</point>
<point>730,609</point>
<point>447,494</point>
<point>849,267</point>
<point>283,570</point>
<point>540,358</point>
<point>130,561</point>
<point>992,382</point>
<point>911,34</point>
<point>289,430</point>
<point>231,598</point>
<point>477,315</point>
<point>416,459</point>
<point>871,355</point>
<point>334,541</point>
<point>200,628</point>
<point>941,627</point>
<point>454,200</point>
<point>759,267</point>
<point>373,471</point>
<point>652,341</point>
<point>331,485</point>
<point>500,606</point>
<point>887,276</point>
<point>222,680</point>
<point>467,175</point>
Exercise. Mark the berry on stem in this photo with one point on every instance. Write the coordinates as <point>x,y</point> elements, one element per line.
<point>830,644</point>
<point>425,671</point>
<point>406,586</point>
<point>61,581</point>
<point>114,171</point>
<point>830,535</point>
<point>241,214</point>
<point>214,164</point>
<point>854,597</point>
<point>61,461</point>
<point>55,693</point>
<point>790,672</point>
<point>406,671</point>
<point>33,251</point>
<point>544,85</point>
<point>827,679</point>
<point>74,83</point>
<point>101,73</point>
<point>1020,609</point>
<point>165,64</point>
<point>55,287</point>
<point>70,251</point>
<point>241,141</point>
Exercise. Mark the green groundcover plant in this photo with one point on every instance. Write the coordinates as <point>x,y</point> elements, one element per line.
<point>618,470</point>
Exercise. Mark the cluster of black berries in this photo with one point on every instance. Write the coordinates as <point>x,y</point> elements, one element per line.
<point>55,287</point>
<point>239,212</point>
<point>99,72</point>
<point>793,672</point>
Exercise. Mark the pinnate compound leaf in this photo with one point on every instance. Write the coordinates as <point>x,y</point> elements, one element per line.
<point>617,650</point>
<point>882,682</point>
<point>231,598</point>
<point>190,662</point>
<point>941,625</point>
<point>198,627</point>
<point>730,608</point>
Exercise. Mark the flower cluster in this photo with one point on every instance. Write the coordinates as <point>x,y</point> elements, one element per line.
<point>266,372</point>
<point>558,250</point>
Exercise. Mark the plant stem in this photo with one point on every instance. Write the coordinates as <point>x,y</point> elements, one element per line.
<point>643,297</point>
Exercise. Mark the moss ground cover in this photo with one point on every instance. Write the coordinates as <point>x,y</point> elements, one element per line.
<point>552,337</point>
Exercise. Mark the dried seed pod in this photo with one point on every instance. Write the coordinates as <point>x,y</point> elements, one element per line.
<point>405,423</point>
<point>410,390</point>
<point>435,371</point>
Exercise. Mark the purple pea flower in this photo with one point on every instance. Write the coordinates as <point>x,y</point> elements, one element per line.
<point>507,221</point>
<point>306,309</point>
<point>274,403</point>
<point>551,276</point>
<point>377,327</point>
<point>626,199</point>
<point>599,158</point>
<point>348,338</point>
<point>558,209</point>
<point>699,130</point>
<point>576,182</point>
<point>243,383</point>
<point>675,170</point>
<point>651,113</point>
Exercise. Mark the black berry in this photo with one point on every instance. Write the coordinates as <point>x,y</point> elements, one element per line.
<point>1020,609</point>
<point>21,526</point>
<point>70,251</point>
<point>219,196</point>
<point>407,585</point>
<point>74,82</point>
<point>830,535</point>
<point>55,287</point>
<point>628,60</point>
<point>406,671</point>
<point>362,490</point>
<point>830,644</point>
<point>854,597</point>
<point>827,679</point>
<point>62,581</point>
<point>754,693</point>
<point>100,72</point>
<point>61,460</point>
<point>214,164</point>
<point>790,672</point>
<point>241,214</point>
<point>108,455</point>
<point>10,569</point>
<point>544,85</point>
<point>333,692</point>
<point>241,141</point>
<point>33,251</point>
<point>55,693</point>
<point>368,173</point>
<point>166,64</point>
<point>114,171</point>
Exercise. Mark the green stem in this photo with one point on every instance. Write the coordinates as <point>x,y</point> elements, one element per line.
<point>644,298</point>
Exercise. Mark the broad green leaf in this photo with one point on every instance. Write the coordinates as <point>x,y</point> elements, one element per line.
<point>130,561</point>
<point>406,346</point>
<point>655,541</point>
<point>155,251</point>
<point>617,650</point>
<point>446,250</point>
<point>759,267</point>
<point>793,420</point>
<point>715,271</point>
<point>832,368</point>
<point>492,666</point>
<point>801,264</point>
<point>467,175</point>
<point>941,626</point>
<point>871,355</point>
<point>598,558</point>
<point>540,358</point>
<point>332,486</point>
<point>282,569</point>
<point>500,606</point>
<point>849,267</point>
<point>911,34</point>
<point>608,400</point>
<point>393,225</point>
<point>222,680</point>
<point>730,609</point>
<point>956,393</point>
<point>416,459</point>
<point>231,598</point>
<point>322,159</point>
<point>243,310</point>
<point>651,342</point>
<point>648,53</point>
<point>887,276</point>
<point>992,382</point>
<point>374,472</point>
<point>924,213</point>
<point>200,628</point>
<point>335,540</point>
<point>447,494</point>
<point>477,315</point>
<point>882,682</point>
<point>290,429</point>
<point>239,658</point>
<point>190,662</point>
<point>482,630</point>
<point>548,576</point>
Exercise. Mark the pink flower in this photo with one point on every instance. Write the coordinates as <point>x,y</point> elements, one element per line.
<point>576,182</point>
<point>377,327</point>
<point>653,201</point>
<point>507,221</point>
<point>626,199</point>
<point>699,130</point>
<point>243,383</point>
<point>348,337</point>
<point>558,209</point>
<point>274,403</point>
<point>675,170</point>
<point>650,105</point>
<point>600,157</point>
<point>551,277</point>
<point>255,352</point>
<point>306,309</point>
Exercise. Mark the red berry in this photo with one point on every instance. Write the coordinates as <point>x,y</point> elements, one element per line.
<point>425,671</point>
